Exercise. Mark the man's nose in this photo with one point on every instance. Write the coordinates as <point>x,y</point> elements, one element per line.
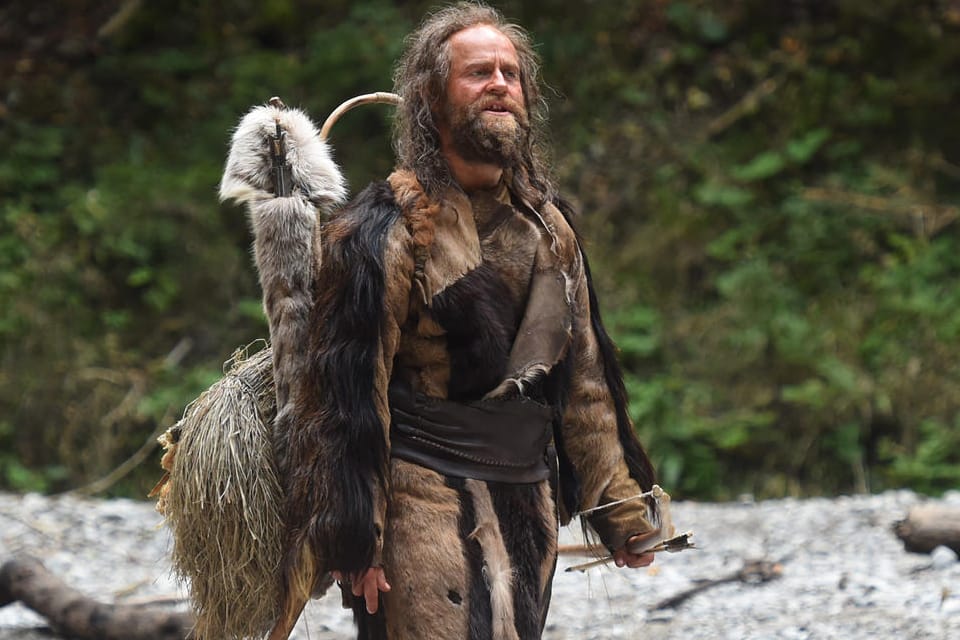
<point>498,83</point>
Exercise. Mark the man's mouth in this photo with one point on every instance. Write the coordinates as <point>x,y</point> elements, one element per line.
<point>497,108</point>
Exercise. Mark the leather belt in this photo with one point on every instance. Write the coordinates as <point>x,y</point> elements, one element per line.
<point>494,440</point>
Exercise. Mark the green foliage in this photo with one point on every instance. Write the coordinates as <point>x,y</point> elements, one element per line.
<point>933,464</point>
<point>792,225</point>
<point>18,477</point>
<point>770,194</point>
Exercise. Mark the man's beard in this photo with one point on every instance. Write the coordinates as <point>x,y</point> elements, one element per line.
<point>497,140</point>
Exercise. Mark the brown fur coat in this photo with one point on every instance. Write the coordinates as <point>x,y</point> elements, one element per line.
<point>461,298</point>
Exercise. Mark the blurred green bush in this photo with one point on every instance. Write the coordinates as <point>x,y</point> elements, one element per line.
<point>769,193</point>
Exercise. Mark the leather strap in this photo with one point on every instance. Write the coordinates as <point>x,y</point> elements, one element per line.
<point>493,440</point>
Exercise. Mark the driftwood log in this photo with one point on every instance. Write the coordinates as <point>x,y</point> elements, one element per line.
<point>929,526</point>
<point>74,615</point>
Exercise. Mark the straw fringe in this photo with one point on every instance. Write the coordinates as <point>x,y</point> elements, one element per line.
<point>223,498</point>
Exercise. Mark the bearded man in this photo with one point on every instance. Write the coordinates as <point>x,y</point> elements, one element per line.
<point>448,394</point>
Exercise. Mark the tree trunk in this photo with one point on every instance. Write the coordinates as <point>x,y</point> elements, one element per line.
<point>73,614</point>
<point>929,526</point>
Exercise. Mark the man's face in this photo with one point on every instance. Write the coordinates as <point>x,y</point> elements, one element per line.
<point>484,118</point>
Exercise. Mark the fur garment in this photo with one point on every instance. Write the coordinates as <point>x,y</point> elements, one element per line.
<point>458,298</point>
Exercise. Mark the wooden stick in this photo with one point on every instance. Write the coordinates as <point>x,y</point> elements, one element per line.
<point>673,545</point>
<point>581,550</point>
<point>72,614</point>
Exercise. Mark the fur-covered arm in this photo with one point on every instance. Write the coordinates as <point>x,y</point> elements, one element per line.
<point>598,436</point>
<point>284,228</point>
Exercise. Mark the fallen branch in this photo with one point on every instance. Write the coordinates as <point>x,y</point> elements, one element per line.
<point>752,572</point>
<point>74,615</point>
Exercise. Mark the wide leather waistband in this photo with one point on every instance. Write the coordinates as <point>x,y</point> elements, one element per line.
<point>493,440</point>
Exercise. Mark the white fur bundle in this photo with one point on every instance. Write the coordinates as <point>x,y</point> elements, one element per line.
<point>247,176</point>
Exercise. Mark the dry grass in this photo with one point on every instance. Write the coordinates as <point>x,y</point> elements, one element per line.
<point>222,501</point>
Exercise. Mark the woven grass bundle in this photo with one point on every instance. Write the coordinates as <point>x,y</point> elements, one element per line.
<point>222,499</point>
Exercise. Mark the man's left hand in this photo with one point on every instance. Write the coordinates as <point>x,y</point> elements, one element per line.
<point>623,558</point>
<point>368,585</point>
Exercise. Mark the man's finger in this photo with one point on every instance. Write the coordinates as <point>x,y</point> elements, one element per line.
<point>636,561</point>
<point>642,541</point>
<point>624,558</point>
<point>371,593</point>
<point>382,583</point>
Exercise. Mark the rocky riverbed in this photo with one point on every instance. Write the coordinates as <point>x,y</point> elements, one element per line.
<point>843,572</point>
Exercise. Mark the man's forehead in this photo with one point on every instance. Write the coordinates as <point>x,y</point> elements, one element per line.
<point>480,42</point>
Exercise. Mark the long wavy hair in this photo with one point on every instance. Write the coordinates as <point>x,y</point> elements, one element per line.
<point>420,78</point>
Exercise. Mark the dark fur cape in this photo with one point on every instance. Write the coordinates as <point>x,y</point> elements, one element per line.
<point>335,455</point>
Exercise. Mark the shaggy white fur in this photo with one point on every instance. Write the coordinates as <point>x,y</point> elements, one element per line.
<point>284,228</point>
<point>247,174</point>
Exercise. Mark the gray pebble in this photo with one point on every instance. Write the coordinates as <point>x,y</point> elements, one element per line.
<point>844,573</point>
<point>943,557</point>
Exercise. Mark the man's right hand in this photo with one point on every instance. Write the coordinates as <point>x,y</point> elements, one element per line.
<point>368,584</point>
